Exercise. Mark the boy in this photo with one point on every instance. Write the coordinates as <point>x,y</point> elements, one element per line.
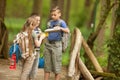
<point>53,46</point>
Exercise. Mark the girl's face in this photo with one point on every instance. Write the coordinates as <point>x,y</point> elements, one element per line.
<point>38,21</point>
<point>55,15</point>
<point>35,23</point>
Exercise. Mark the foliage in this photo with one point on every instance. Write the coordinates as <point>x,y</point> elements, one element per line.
<point>118,11</point>
<point>19,8</point>
<point>14,26</point>
<point>114,50</point>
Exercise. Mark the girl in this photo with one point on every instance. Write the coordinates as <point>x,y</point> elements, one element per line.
<point>30,56</point>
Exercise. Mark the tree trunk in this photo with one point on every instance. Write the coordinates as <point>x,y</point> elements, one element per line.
<point>3,31</point>
<point>88,3</point>
<point>103,16</point>
<point>61,6</point>
<point>67,11</point>
<point>84,16</point>
<point>37,8</point>
<point>104,13</point>
<point>91,22</point>
<point>54,3</point>
<point>100,41</point>
<point>2,9</point>
<point>100,37</point>
<point>113,25</point>
<point>114,45</point>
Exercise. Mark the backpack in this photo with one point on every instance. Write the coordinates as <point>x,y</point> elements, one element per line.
<point>41,62</point>
<point>65,37</point>
<point>65,41</point>
<point>15,48</point>
<point>20,46</point>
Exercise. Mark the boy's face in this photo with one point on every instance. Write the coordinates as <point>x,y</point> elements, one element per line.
<point>55,15</point>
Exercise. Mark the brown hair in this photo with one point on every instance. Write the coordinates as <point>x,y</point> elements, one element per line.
<point>56,9</point>
<point>31,21</point>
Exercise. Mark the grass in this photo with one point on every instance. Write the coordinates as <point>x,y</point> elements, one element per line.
<point>14,26</point>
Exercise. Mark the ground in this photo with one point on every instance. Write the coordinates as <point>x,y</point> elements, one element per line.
<point>7,74</point>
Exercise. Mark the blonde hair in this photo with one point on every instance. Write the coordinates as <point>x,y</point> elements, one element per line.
<point>31,21</point>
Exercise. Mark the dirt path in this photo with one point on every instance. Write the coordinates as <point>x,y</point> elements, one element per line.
<point>7,74</point>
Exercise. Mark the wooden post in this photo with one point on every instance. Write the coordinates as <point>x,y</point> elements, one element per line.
<point>83,69</point>
<point>73,53</point>
<point>91,56</point>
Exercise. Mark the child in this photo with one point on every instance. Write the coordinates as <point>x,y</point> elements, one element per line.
<point>31,53</point>
<point>53,46</point>
<point>38,36</point>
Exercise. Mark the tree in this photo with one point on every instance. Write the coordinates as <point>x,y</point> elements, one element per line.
<point>67,11</point>
<point>91,22</point>
<point>103,16</point>
<point>104,13</point>
<point>37,7</point>
<point>113,23</point>
<point>61,6</point>
<point>100,38</point>
<point>84,16</point>
<point>53,3</point>
<point>114,44</point>
<point>114,50</point>
<point>3,31</point>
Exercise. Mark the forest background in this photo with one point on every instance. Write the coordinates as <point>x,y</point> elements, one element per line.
<point>93,17</point>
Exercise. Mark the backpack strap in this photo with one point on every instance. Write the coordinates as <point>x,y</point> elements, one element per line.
<point>14,49</point>
<point>25,45</point>
<point>58,24</point>
<point>49,24</point>
<point>22,40</point>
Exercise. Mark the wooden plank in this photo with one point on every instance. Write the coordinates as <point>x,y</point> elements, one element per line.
<point>83,69</point>
<point>104,74</point>
<point>73,53</point>
<point>91,56</point>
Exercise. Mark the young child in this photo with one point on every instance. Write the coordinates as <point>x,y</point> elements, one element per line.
<point>31,48</point>
<point>53,46</point>
<point>38,36</point>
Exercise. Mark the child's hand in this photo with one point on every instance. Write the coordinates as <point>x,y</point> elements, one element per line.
<point>44,35</point>
<point>57,27</point>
